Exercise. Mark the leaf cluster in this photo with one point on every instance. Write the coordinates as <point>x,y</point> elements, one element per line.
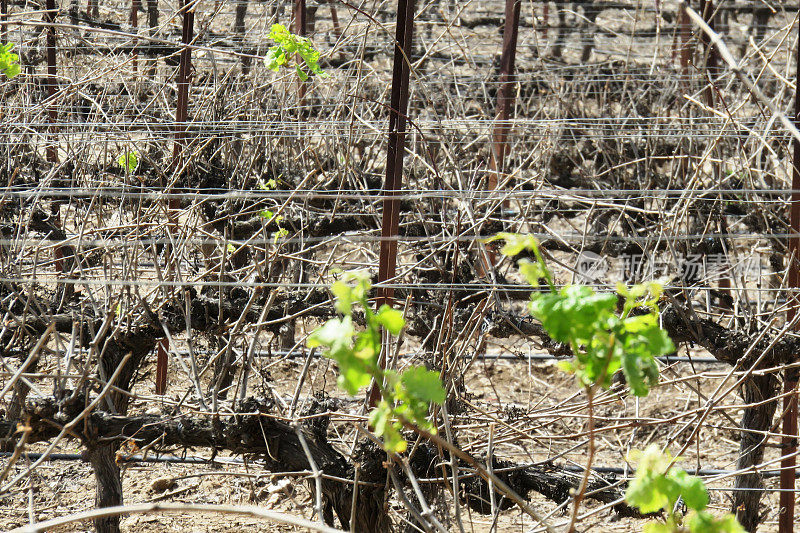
<point>269,215</point>
<point>602,340</point>
<point>129,161</point>
<point>9,61</point>
<point>406,396</point>
<point>657,487</point>
<point>288,45</point>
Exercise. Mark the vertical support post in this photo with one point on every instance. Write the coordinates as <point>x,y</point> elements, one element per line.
<point>790,377</point>
<point>337,29</point>
<point>162,363</point>
<point>300,16</point>
<point>184,72</point>
<point>152,23</point>
<point>711,64</point>
<point>4,21</point>
<point>50,79</point>
<point>505,103</point>
<point>505,93</point>
<point>545,19</point>
<point>711,53</point>
<point>181,116</point>
<point>395,153</point>
<point>135,29</point>
<point>685,52</point>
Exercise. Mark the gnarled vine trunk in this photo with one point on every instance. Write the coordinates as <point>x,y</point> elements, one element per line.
<point>756,423</point>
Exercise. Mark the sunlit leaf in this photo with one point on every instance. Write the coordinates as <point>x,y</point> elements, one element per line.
<point>693,490</point>
<point>424,384</point>
<point>128,161</point>
<point>391,319</point>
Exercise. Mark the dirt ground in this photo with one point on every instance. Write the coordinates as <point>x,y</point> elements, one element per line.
<point>535,395</point>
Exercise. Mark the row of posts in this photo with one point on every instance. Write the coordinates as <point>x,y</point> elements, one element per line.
<point>395,153</point>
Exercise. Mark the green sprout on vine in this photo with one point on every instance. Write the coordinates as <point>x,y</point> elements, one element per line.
<point>269,216</point>
<point>288,45</point>
<point>268,185</point>
<point>407,395</point>
<point>658,488</point>
<point>129,161</point>
<point>602,341</point>
<point>9,61</point>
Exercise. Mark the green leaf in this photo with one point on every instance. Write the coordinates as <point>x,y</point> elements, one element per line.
<point>379,417</point>
<point>641,372</point>
<point>281,233</point>
<point>334,333</point>
<point>393,440</point>
<point>267,214</point>
<point>391,319</point>
<point>353,378</point>
<point>693,490</point>
<point>384,426</point>
<point>423,384</point>
<point>345,297</point>
<point>128,161</point>
<point>532,272</point>
<point>368,344</point>
<point>291,45</point>
<point>705,522</point>
<point>574,314</point>
<point>645,494</point>
<point>658,527</point>
<point>8,61</point>
<point>515,243</point>
<point>651,490</point>
<point>275,58</point>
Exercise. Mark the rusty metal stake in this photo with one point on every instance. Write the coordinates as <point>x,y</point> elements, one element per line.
<point>685,50</point>
<point>181,116</point>
<point>395,152</point>
<point>3,21</point>
<point>184,72</point>
<point>790,377</point>
<point>711,52</point>
<point>134,29</point>
<point>50,79</point>
<point>505,104</point>
<point>300,16</point>
<point>505,93</point>
<point>161,366</point>
<point>337,30</point>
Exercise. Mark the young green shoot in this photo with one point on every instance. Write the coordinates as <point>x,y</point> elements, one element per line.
<point>270,216</point>
<point>602,341</point>
<point>658,488</point>
<point>129,162</point>
<point>9,61</point>
<point>288,46</point>
<point>406,396</point>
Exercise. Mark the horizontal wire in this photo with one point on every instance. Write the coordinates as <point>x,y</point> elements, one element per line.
<point>212,194</point>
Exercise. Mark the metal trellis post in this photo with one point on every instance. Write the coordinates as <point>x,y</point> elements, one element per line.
<point>789,428</point>
<point>395,152</point>
<point>181,116</point>
<point>505,94</point>
<point>51,81</point>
